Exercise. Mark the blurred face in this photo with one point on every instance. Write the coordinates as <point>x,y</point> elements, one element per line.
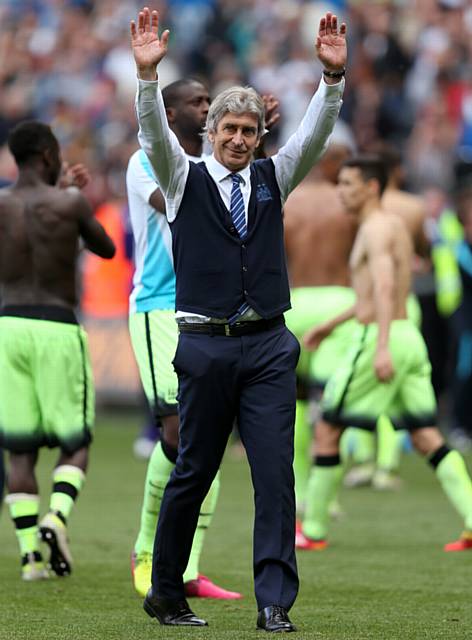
<point>353,190</point>
<point>235,140</point>
<point>190,113</point>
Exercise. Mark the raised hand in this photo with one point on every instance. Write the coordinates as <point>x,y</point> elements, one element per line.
<point>76,175</point>
<point>272,115</point>
<point>330,43</point>
<point>148,48</point>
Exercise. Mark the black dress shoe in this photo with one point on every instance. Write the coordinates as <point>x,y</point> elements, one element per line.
<point>275,619</point>
<point>171,612</point>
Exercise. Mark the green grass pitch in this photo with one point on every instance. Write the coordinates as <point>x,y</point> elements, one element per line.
<point>385,575</point>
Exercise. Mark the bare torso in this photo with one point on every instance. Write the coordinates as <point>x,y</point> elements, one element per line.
<point>39,233</point>
<point>318,236</point>
<point>383,239</point>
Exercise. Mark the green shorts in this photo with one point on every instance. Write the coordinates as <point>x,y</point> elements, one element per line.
<point>46,388</point>
<point>312,306</point>
<point>355,397</point>
<point>330,353</point>
<point>154,338</point>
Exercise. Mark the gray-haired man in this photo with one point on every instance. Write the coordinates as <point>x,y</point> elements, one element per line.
<point>235,357</point>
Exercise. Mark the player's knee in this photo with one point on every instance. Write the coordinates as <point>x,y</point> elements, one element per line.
<point>78,458</point>
<point>426,440</point>
<point>327,437</point>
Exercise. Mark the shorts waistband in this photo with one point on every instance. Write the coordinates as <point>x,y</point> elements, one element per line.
<point>232,330</point>
<point>48,312</point>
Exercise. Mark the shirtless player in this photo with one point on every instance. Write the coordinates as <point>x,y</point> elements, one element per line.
<point>320,281</point>
<point>378,465</point>
<point>387,370</point>
<point>46,388</point>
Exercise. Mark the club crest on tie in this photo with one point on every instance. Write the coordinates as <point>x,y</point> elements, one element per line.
<point>263,193</point>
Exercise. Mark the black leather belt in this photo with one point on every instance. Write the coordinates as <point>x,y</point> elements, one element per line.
<point>233,330</point>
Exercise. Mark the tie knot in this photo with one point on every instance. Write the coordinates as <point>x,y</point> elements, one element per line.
<point>236,178</point>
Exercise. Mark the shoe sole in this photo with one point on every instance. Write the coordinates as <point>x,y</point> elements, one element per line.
<point>58,560</point>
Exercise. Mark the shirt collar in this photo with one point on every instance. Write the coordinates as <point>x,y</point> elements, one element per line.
<point>219,172</point>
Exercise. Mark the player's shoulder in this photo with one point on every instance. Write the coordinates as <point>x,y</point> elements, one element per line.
<point>380,225</point>
<point>404,202</point>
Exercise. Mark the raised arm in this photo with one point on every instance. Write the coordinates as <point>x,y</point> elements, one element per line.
<point>160,144</point>
<point>305,147</point>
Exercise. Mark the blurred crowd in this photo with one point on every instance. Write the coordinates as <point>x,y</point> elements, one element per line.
<point>409,82</point>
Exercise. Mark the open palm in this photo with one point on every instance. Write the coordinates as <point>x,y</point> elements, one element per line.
<point>331,43</point>
<point>148,48</point>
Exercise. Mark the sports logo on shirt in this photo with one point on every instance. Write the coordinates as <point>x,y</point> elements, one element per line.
<point>263,193</point>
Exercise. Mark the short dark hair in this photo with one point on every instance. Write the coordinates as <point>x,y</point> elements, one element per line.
<point>390,156</point>
<point>371,167</point>
<point>30,138</point>
<point>171,93</point>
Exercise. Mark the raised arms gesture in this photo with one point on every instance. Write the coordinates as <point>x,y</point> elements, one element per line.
<point>148,48</point>
<point>330,44</point>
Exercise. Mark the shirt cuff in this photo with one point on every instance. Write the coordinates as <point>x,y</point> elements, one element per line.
<point>332,91</point>
<point>147,88</point>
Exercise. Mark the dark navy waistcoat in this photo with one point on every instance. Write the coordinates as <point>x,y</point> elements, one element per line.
<point>216,271</point>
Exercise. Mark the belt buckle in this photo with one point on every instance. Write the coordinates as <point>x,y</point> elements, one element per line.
<point>227,330</point>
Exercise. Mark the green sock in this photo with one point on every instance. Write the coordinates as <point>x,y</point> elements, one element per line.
<point>455,481</point>
<point>364,446</point>
<point>157,476</point>
<point>302,458</point>
<point>323,485</point>
<point>24,511</point>
<point>389,445</point>
<point>67,483</point>
<point>206,514</point>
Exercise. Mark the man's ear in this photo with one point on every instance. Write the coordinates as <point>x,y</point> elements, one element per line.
<point>171,113</point>
<point>47,157</point>
<point>258,141</point>
<point>211,136</point>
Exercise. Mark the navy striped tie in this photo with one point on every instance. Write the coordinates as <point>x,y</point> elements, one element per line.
<point>238,215</point>
<point>236,206</point>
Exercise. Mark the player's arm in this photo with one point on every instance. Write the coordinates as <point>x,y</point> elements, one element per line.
<point>381,267</point>
<point>316,335</point>
<point>160,144</point>
<point>95,238</point>
<point>305,147</point>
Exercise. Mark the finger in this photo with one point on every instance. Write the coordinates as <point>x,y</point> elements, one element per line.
<point>154,22</point>
<point>342,30</point>
<point>165,38</point>
<point>334,24</point>
<point>132,26</point>
<point>141,22</point>
<point>322,27</point>
<point>328,22</point>
<point>147,19</point>
<point>318,43</point>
